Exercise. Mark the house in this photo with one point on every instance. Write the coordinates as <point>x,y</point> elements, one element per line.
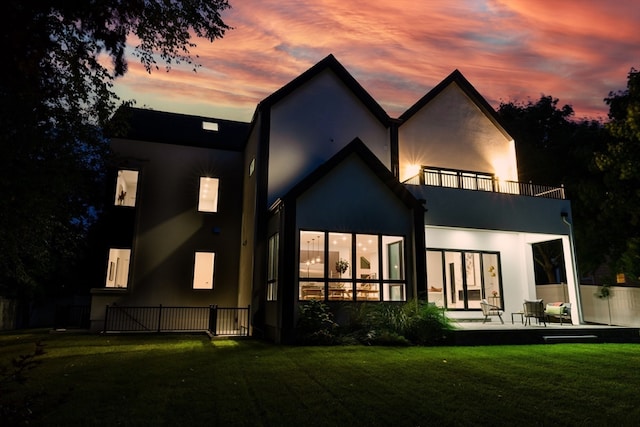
<point>324,196</point>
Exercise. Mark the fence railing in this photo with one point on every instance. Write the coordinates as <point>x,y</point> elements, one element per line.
<point>483,182</point>
<point>232,321</point>
<point>72,316</point>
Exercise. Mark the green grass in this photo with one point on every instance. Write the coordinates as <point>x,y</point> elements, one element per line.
<point>189,380</point>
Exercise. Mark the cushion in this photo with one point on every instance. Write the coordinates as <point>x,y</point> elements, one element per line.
<point>554,309</point>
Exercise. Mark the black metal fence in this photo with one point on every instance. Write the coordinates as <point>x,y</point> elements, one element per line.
<point>231,321</point>
<point>72,317</point>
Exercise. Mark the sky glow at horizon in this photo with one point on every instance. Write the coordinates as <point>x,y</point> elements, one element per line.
<point>510,50</point>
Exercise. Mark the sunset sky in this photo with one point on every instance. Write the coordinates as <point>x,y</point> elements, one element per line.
<point>510,50</point>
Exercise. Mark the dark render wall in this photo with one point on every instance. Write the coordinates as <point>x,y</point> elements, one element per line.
<point>169,229</point>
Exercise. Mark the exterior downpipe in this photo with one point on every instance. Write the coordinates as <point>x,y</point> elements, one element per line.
<point>564,216</point>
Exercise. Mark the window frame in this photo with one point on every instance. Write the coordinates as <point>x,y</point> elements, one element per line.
<point>203,191</point>
<point>196,270</point>
<point>484,270</point>
<point>273,249</point>
<point>371,280</point>
<point>121,191</point>
<point>115,268</point>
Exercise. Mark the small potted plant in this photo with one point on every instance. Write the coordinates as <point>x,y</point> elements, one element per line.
<point>342,266</point>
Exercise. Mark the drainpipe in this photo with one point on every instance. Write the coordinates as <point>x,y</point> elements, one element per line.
<point>564,216</point>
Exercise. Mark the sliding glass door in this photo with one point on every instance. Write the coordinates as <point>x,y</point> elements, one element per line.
<point>461,279</point>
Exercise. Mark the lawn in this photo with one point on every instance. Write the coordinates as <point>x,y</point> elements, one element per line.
<point>190,380</point>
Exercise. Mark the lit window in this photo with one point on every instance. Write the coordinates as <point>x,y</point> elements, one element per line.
<point>203,270</point>
<point>126,188</point>
<point>330,269</point>
<point>118,268</point>
<point>208,200</point>
<point>272,268</point>
<point>210,126</point>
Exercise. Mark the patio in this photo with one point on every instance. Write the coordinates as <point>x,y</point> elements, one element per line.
<point>474,332</point>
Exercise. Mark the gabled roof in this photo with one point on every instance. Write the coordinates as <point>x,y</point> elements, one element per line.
<point>457,77</point>
<point>180,129</point>
<point>329,63</point>
<point>358,148</point>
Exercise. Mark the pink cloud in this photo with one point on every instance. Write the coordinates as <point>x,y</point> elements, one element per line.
<point>577,51</point>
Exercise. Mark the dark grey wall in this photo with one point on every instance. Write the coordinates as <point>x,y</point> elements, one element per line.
<point>169,229</point>
<point>492,211</point>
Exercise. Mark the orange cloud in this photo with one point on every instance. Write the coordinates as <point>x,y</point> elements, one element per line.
<point>577,51</point>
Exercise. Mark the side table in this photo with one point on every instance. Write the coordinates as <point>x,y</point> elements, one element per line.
<point>518,313</point>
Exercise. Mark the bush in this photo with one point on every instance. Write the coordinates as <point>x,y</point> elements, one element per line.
<point>410,323</point>
<point>427,324</point>
<point>315,324</point>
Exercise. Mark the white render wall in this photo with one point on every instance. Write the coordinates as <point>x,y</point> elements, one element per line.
<point>516,261</point>
<point>451,132</point>
<point>312,124</point>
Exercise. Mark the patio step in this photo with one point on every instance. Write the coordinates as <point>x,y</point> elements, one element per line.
<point>553,339</point>
<point>472,319</point>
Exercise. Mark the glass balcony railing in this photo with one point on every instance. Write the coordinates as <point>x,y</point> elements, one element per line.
<point>483,182</point>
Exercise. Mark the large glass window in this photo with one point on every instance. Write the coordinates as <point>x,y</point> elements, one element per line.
<point>461,279</point>
<point>118,268</point>
<point>208,199</point>
<point>272,267</point>
<point>351,267</point>
<point>203,269</point>
<point>126,188</point>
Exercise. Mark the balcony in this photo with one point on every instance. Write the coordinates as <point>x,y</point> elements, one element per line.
<point>482,182</point>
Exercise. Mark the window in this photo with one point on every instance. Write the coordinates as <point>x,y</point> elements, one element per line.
<point>208,200</point>
<point>272,268</point>
<point>118,268</point>
<point>210,126</point>
<point>203,270</point>
<point>126,188</point>
<point>351,267</point>
<point>459,279</point>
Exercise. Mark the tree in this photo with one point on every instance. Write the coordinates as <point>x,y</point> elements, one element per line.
<point>55,99</point>
<point>554,149</point>
<point>620,163</point>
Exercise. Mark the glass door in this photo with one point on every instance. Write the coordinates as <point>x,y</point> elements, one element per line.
<point>454,278</point>
<point>463,278</point>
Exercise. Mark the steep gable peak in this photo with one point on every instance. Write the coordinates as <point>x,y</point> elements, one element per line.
<point>328,63</point>
<point>457,78</point>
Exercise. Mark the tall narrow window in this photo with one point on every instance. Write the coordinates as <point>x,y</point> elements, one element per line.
<point>126,188</point>
<point>203,270</point>
<point>208,200</point>
<point>272,268</point>
<point>118,268</point>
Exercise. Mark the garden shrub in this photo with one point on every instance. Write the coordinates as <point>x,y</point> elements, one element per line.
<point>413,322</point>
<point>315,324</point>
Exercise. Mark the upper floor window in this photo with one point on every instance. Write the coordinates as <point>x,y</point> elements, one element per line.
<point>208,199</point>
<point>126,188</point>
<point>203,269</point>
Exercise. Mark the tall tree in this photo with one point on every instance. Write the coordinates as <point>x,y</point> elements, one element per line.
<point>55,97</point>
<point>620,163</point>
<point>554,149</point>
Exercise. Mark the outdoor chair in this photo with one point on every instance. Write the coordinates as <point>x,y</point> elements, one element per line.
<point>534,309</point>
<point>490,310</point>
<point>559,310</point>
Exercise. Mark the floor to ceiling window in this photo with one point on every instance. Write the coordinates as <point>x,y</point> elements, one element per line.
<point>351,267</point>
<point>458,279</point>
